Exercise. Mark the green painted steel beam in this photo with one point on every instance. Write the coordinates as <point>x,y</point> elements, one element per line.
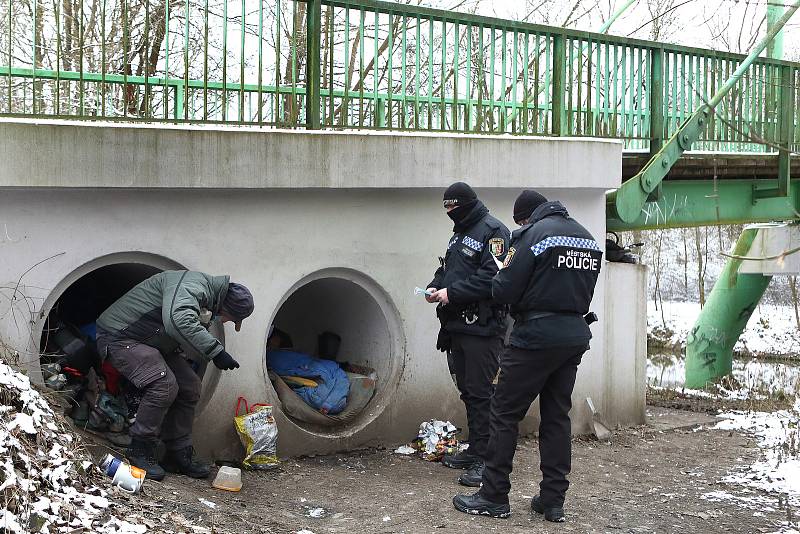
<point>709,345</point>
<point>685,203</point>
<point>628,200</point>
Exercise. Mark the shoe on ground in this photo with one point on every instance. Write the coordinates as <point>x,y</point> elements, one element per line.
<point>142,454</point>
<point>473,476</point>
<point>553,514</point>
<point>461,460</point>
<point>477,505</point>
<point>182,462</point>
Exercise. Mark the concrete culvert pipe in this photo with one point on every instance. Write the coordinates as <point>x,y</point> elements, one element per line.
<point>348,312</point>
<point>76,303</point>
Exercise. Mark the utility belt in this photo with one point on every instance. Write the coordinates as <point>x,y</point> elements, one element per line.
<point>531,315</point>
<point>476,312</point>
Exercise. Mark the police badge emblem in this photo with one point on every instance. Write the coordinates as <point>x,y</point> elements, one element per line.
<point>509,257</point>
<point>497,246</point>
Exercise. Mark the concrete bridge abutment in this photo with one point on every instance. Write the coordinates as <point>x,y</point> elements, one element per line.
<point>330,230</point>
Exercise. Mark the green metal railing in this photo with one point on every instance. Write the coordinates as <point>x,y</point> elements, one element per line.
<point>376,65</point>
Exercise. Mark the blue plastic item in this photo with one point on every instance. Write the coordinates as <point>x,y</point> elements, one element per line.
<point>334,386</point>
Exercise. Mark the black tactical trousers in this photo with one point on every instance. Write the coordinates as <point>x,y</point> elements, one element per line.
<point>475,362</point>
<point>171,390</point>
<point>524,375</point>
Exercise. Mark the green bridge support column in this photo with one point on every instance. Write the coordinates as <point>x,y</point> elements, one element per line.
<point>709,347</point>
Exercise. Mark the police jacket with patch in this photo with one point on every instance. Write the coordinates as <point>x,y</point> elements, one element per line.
<point>548,279</point>
<point>467,273</point>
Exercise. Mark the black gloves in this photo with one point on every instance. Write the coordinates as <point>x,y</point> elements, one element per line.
<point>225,361</point>
<point>443,341</point>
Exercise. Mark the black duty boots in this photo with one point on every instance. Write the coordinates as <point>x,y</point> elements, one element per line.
<point>461,460</point>
<point>181,461</point>
<point>472,477</point>
<point>142,454</point>
<point>554,513</point>
<point>477,505</point>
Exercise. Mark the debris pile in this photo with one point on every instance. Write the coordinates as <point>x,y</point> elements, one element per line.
<point>434,440</point>
<point>48,484</point>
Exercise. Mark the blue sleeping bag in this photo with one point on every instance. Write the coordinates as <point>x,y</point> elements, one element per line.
<point>334,386</point>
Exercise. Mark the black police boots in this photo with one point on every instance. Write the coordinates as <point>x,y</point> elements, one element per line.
<point>477,505</point>
<point>473,476</point>
<point>180,461</point>
<point>142,454</point>
<point>461,460</point>
<point>554,514</point>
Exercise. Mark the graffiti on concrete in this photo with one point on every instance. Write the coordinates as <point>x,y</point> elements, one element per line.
<point>664,210</point>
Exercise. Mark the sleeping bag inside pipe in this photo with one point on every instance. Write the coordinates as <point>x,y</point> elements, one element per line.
<point>333,386</point>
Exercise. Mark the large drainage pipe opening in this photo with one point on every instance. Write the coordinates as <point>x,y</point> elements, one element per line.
<point>91,391</point>
<point>331,353</point>
<point>72,317</point>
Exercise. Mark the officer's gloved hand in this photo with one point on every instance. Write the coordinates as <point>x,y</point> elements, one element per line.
<point>225,361</point>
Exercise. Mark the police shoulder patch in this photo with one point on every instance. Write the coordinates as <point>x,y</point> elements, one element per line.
<point>497,245</point>
<point>509,257</point>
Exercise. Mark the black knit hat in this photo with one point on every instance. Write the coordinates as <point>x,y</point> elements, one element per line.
<point>526,202</point>
<point>238,303</point>
<point>458,194</point>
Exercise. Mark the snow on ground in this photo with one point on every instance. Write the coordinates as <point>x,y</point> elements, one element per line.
<point>46,481</point>
<point>778,472</point>
<point>771,329</point>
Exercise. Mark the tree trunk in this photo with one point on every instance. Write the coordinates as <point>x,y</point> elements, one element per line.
<point>701,285</point>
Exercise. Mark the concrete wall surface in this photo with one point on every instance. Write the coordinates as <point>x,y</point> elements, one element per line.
<point>625,321</point>
<point>108,195</point>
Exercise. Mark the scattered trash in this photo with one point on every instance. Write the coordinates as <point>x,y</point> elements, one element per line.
<point>599,428</point>
<point>435,439</point>
<point>405,449</point>
<point>316,512</point>
<point>123,475</point>
<point>207,503</point>
<point>386,518</point>
<point>305,531</point>
<point>259,435</point>
<point>228,479</point>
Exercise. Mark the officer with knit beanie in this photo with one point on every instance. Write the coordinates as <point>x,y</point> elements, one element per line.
<point>548,279</point>
<point>471,323</point>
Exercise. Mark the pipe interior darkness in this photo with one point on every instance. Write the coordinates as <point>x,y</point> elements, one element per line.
<point>86,298</point>
<point>344,308</point>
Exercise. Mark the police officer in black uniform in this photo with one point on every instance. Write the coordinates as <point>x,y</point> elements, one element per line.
<point>548,279</point>
<point>472,325</point>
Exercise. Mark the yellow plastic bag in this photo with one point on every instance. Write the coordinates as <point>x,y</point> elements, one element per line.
<point>259,434</point>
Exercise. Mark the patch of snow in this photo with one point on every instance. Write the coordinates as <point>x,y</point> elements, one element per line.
<point>778,435</point>
<point>42,467</point>
<point>771,329</point>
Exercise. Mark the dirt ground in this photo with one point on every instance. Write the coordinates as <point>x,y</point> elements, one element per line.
<point>646,479</point>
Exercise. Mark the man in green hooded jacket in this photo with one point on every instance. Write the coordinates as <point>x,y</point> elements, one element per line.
<point>144,335</point>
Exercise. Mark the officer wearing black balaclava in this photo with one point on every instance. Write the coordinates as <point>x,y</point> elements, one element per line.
<point>548,279</point>
<point>471,323</point>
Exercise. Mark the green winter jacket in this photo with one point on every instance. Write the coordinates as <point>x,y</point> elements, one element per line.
<point>165,310</point>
